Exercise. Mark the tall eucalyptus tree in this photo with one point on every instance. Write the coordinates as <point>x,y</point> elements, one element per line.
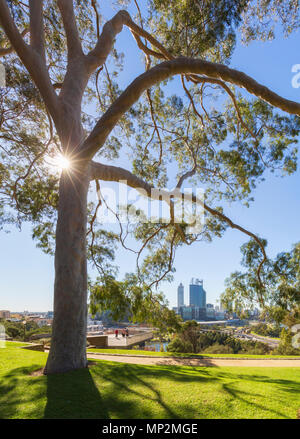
<point>56,54</point>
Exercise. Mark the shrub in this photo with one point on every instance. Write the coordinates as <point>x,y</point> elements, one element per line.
<point>179,345</point>
<point>285,346</point>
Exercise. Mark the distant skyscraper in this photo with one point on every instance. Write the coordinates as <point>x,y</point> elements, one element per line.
<point>197,293</point>
<point>180,295</point>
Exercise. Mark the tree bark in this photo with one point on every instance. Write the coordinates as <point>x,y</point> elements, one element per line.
<point>68,343</point>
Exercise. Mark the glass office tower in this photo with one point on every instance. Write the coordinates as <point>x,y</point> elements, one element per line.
<point>197,293</point>
<point>180,295</point>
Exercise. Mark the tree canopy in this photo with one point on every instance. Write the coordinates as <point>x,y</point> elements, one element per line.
<point>280,290</point>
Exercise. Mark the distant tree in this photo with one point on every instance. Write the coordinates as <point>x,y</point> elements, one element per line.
<point>278,293</point>
<point>186,339</point>
<point>285,346</point>
<point>12,329</point>
<point>190,334</point>
<point>267,330</point>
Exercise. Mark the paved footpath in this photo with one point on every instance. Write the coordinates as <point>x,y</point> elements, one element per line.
<point>173,361</point>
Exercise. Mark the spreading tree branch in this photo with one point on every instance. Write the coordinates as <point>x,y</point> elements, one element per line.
<point>11,29</point>
<point>34,63</point>
<point>114,173</point>
<point>73,41</point>
<point>97,57</point>
<point>94,6</point>
<point>7,50</point>
<point>165,70</point>
<point>37,40</point>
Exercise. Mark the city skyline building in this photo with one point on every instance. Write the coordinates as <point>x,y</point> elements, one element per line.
<point>180,295</point>
<point>197,294</point>
<point>197,309</point>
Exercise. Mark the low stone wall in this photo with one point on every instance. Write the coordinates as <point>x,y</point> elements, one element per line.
<point>99,341</point>
<point>34,347</point>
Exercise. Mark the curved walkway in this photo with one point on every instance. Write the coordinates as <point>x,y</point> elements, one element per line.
<point>173,361</point>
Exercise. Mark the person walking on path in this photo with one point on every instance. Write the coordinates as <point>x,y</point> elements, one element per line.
<point>116,333</point>
<point>123,333</point>
<point>127,332</point>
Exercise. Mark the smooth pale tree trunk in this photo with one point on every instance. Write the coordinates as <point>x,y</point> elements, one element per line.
<point>68,343</point>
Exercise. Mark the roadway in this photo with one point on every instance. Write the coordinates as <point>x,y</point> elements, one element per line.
<point>253,337</point>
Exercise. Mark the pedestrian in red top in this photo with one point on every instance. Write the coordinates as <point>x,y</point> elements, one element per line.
<point>116,333</point>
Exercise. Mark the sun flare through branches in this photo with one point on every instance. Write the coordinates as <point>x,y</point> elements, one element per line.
<point>59,162</point>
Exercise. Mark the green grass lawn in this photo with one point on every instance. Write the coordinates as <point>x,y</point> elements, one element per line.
<point>117,390</point>
<point>16,344</point>
<point>175,354</point>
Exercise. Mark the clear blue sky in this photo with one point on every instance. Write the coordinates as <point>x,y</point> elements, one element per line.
<point>27,275</point>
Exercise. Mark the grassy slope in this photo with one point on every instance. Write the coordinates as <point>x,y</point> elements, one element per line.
<point>15,344</point>
<point>117,390</point>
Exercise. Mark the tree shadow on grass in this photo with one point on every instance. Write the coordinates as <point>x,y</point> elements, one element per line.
<point>14,399</point>
<point>142,383</point>
<point>148,393</point>
<point>131,391</point>
<point>134,391</point>
<point>125,395</point>
<point>242,396</point>
<point>74,395</point>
